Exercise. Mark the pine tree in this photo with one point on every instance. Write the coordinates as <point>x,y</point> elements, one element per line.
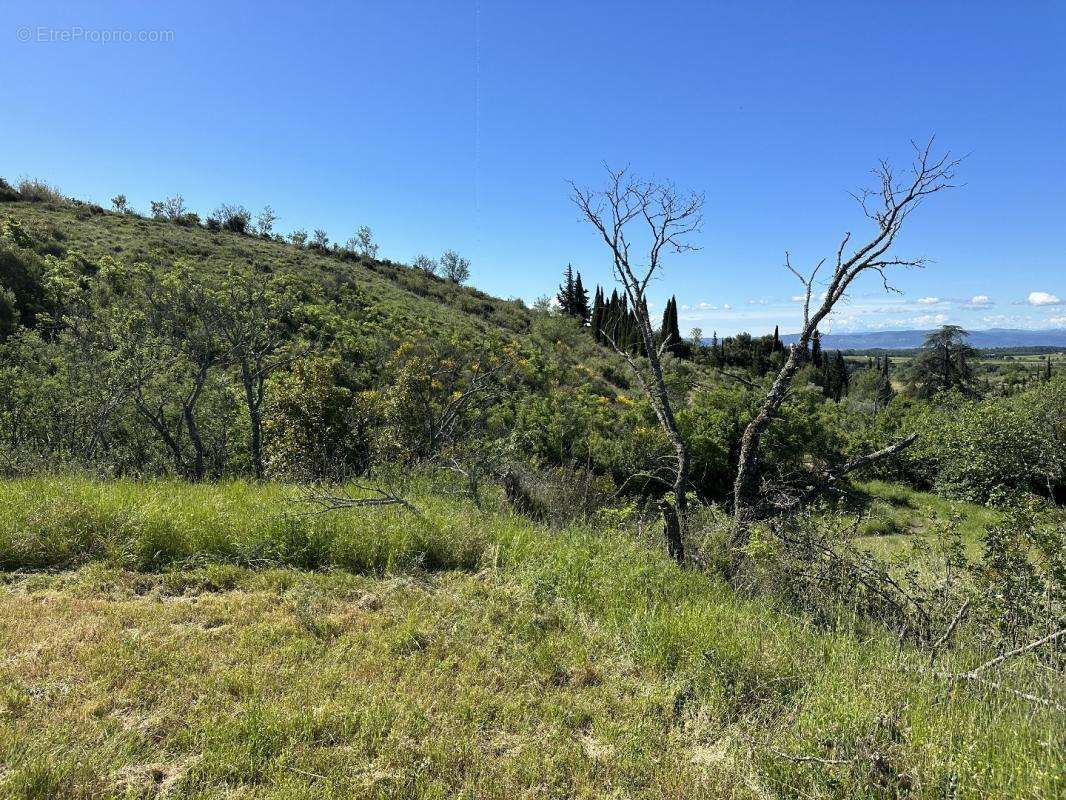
<point>943,364</point>
<point>580,308</point>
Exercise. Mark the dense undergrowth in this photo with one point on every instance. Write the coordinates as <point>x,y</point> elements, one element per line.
<point>213,641</point>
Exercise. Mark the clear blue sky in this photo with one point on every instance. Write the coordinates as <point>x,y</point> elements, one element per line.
<point>457,125</point>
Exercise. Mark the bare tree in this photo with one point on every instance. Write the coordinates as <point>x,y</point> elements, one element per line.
<point>888,207</point>
<point>663,219</point>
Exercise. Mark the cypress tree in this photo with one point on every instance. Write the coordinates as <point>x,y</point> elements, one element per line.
<point>670,331</point>
<point>596,321</point>
<point>777,340</point>
<point>675,329</point>
<point>566,292</point>
<point>613,316</point>
<point>885,392</point>
<point>642,348</point>
<point>1047,369</point>
<point>840,376</point>
<point>581,302</point>
<point>816,349</point>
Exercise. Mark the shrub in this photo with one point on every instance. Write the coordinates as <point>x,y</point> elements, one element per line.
<point>236,219</point>
<point>314,431</point>
<point>8,192</point>
<point>454,267</point>
<point>37,191</point>
<point>173,208</point>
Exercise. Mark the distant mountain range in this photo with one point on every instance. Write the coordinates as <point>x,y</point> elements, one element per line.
<point>903,340</point>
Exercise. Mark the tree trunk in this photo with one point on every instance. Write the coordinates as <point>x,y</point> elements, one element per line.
<point>746,486</point>
<point>198,469</point>
<point>253,399</point>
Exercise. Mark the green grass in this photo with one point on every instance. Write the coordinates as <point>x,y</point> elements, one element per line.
<point>194,641</point>
<point>894,514</point>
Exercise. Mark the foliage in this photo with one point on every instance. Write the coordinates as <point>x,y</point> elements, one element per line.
<point>454,267</point>
<point>316,429</point>
<point>232,218</point>
<point>944,364</point>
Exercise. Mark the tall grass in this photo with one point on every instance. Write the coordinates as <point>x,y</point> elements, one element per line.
<point>63,522</point>
<point>810,712</point>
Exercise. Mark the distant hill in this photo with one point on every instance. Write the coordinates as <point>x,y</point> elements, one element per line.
<point>904,340</point>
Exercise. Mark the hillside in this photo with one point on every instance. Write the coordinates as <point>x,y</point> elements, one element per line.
<point>280,521</point>
<point>405,295</point>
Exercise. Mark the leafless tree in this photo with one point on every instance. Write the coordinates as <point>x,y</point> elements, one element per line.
<point>663,219</point>
<point>888,207</point>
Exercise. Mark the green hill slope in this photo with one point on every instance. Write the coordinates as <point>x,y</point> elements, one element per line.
<point>402,293</point>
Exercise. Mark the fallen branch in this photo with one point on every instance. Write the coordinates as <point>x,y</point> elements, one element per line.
<point>995,662</point>
<point>974,675</point>
<point>948,631</point>
<point>830,478</point>
<point>829,762</point>
<point>331,502</point>
<point>1032,698</point>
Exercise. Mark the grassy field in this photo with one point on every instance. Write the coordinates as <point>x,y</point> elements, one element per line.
<point>163,639</point>
<point>998,369</point>
<point>893,514</point>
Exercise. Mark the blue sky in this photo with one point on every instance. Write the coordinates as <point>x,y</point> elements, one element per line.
<point>458,124</point>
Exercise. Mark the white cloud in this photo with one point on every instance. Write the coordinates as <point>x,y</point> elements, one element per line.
<point>922,320</point>
<point>980,300</point>
<point>798,298</point>
<point>757,302</point>
<point>928,301</point>
<point>1043,299</point>
<point>1058,322</point>
<point>727,307</point>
